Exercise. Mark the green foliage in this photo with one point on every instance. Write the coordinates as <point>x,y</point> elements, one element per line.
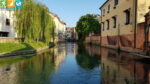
<point>87,24</point>
<point>10,47</point>
<point>33,22</point>
<point>36,45</point>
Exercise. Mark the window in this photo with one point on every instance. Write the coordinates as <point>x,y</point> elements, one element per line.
<point>115,22</point>
<point>103,12</point>
<point>3,34</point>
<point>115,3</point>
<point>108,9</point>
<point>107,24</point>
<point>8,22</point>
<point>127,13</point>
<point>103,26</point>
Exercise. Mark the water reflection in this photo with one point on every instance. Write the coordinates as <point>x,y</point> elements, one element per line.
<point>59,55</point>
<point>8,74</point>
<point>74,64</point>
<point>87,59</point>
<point>64,64</point>
<point>121,68</point>
<point>36,70</point>
<point>71,48</point>
<point>77,68</point>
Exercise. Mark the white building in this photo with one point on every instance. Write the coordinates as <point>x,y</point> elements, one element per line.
<point>6,23</point>
<point>97,16</point>
<point>60,28</point>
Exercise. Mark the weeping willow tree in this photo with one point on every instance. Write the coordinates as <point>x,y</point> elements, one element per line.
<point>33,22</point>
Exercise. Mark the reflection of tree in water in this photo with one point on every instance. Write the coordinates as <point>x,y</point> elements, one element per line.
<point>37,70</point>
<point>85,60</point>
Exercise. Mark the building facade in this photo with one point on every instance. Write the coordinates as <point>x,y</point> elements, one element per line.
<point>59,29</point>
<point>6,23</point>
<point>71,34</point>
<point>122,22</point>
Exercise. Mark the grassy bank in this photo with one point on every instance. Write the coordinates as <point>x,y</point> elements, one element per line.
<point>10,47</point>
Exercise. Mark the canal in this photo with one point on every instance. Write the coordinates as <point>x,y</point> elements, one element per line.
<point>74,64</point>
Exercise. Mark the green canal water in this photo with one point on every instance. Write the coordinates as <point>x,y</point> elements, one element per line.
<point>74,64</point>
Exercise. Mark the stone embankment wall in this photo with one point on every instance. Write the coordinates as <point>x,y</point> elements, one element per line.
<point>8,40</point>
<point>23,52</point>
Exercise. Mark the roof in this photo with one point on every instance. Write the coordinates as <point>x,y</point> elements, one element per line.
<point>103,4</point>
<point>95,15</point>
<point>57,18</point>
<point>63,22</point>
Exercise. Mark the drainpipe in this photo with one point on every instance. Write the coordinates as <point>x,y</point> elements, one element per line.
<point>147,25</point>
<point>101,30</point>
<point>135,24</point>
<point>118,38</point>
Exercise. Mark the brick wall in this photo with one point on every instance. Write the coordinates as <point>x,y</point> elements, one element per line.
<point>87,39</point>
<point>140,36</point>
<point>94,39</point>
<point>124,41</point>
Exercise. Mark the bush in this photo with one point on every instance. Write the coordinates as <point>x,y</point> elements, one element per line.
<point>86,25</point>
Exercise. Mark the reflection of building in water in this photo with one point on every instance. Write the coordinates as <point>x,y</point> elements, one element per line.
<point>61,51</point>
<point>71,48</point>
<point>8,74</point>
<point>93,50</point>
<point>75,49</point>
<point>59,55</point>
<point>122,69</point>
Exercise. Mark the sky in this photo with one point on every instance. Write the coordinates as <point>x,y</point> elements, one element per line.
<point>69,11</point>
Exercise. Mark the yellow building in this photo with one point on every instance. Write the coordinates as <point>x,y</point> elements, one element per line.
<point>120,19</point>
